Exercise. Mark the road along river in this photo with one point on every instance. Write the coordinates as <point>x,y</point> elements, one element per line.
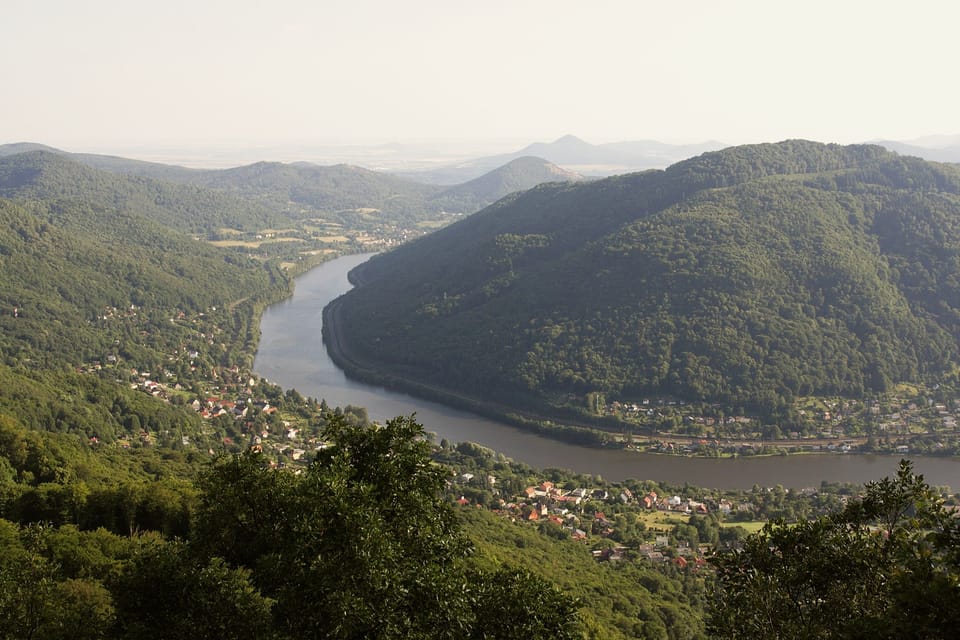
<point>291,353</point>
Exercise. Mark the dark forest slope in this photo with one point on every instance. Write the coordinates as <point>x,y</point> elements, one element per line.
<point>744,276</point>
<point>73,271</point>
<point>258,195</point>
<point>43,175</point>
<point>517,175</point>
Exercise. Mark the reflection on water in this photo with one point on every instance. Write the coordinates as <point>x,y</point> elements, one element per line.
<point>291,354</point>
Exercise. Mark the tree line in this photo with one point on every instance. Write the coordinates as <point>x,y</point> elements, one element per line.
<point>747,277</point>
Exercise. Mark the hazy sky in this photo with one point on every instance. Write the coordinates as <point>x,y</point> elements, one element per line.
<point>94,73</point>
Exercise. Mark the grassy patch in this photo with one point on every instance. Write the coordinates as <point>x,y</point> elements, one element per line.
<point>661,520</point>
<point>274,240</point>
<point>752,526</point>
<point>432,224</point>
<point>249,244</point>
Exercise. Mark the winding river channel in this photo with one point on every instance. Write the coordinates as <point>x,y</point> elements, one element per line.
<point>291,353</point>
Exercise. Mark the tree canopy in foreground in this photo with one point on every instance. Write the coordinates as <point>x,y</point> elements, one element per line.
<point>361,544</point>
<point>886,566</point>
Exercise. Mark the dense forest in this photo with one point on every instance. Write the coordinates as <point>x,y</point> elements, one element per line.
<point>82,282</point>
<point>42,175</point>
<point>134,499</point>
<point>360,545</point>
<point>152,487</point>
<point>257,196</point>
<point>884,566</point>
<point>745,277</point>
<point>245,550</point>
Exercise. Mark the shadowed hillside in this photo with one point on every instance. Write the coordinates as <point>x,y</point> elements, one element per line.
<point>745,276</point>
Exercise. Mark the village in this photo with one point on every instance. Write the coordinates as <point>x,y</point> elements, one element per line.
<point>639,521</point>
<point>580,514</point>
<point>633,520</point>
<point>895,423</point>
<point>237,412</point>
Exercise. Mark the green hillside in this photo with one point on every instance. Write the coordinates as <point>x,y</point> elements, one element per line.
<point>41,175</point>
<point>746,277</point>
<point>627,600</point>
<point>517,175</point>
<point>350,194</point>
<point>257,195</point>
<point>116,332</point>
<point>343,188</point>
<point>82,282</point>
<point>339,188</point>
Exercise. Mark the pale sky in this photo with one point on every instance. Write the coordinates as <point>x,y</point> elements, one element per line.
<point>82,74</point>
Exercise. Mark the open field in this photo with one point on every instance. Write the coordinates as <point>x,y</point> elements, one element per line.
<point>661,520</point>
<point>432,224</point>
<point>665,521</point>
<point>251,244</point>
<point>752,526</point>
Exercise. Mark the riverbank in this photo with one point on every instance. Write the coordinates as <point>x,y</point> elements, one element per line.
<point>630,437</point>
<point>292,354</point>
<point>353,367</point>
<point>338,350</point>
<point>662,444</point>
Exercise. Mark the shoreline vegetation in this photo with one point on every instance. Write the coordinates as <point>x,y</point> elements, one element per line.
<point>768,296</point>
<point>340,355</point>
<point>663,443</point>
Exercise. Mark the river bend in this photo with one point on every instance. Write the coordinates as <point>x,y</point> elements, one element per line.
<point>291,353</point>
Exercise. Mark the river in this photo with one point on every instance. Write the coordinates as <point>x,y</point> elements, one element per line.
<point>291,354</point>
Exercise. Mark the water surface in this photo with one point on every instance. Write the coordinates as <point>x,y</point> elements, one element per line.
<point>291,353</point>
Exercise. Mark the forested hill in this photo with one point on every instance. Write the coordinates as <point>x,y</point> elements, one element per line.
<point>44,175</point>
<point>517,175</point>
<point>259,195</point>
<point>344,187</point>
<point>98,302</point>
<point>324,188</point>
<point>744,276</point>
<point>81,283</point>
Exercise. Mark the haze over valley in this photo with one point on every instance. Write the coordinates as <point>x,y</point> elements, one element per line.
<point>541,320</point>
<point>757,300</point>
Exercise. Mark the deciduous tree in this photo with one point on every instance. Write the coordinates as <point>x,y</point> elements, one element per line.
<point>886,566</point>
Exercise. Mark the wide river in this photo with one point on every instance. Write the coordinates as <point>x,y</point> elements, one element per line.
<point>291,353</point>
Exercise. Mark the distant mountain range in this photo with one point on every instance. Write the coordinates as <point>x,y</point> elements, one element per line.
<point>602,160</point>
<point>933,148</point>
<point>515,175</point>
<point>576,155</point>
<point>746,276</point>
<point>113,164</point>
<point>54,175</point>
<point>258,194</point>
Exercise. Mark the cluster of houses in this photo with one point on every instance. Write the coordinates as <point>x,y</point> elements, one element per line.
<point>278,436</point>
<point>229,382</point>
<point>567,509</point>
<point>648,408</point>
<point>683,555</point>
<point>893,417</point>
<point>143,437</point>
<point>214,407</point>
